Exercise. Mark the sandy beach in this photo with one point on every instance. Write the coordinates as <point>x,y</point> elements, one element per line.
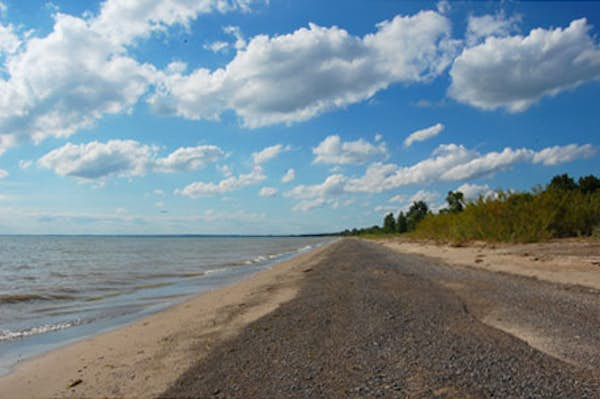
<point>565,261</point>
<point>351,319</point>
<point>142,359</point>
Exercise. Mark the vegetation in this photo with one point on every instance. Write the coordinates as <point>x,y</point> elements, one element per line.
<point>564,208</point>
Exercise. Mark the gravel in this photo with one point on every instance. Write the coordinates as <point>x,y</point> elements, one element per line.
<point>372,323</point>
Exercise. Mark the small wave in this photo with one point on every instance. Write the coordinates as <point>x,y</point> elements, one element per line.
<point>304,249</point>
<point>219,270</point>
<point>16,298</point>
<point>6,335</point>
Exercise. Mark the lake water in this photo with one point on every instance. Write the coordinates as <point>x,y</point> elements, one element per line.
<point>57,289</point>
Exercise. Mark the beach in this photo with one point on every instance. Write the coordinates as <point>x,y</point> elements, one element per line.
<point>350,319</point>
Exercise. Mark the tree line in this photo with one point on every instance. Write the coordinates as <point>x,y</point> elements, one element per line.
<point>563,208</point>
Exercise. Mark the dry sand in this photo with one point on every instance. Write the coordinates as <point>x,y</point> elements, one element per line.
<point>565,261</point>
<point>142,359</point>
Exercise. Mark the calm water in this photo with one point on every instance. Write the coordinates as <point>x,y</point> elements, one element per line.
<point>54,290</point>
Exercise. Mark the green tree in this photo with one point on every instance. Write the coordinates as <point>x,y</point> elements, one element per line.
<point>456,201</point>
<point>589,184</point>
<point>417,212</point>
<point>401,225</point>
<point>562,182</point>
<point>389,224</point>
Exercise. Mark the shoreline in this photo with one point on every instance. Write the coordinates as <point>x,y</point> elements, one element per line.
<point>157,348</point>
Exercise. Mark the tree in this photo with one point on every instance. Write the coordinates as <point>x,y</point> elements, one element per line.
<point>417,212</point>
<point>562,182</point>
<point>456,201</point>
<point>389,224</point>
<point>401,226</point>
<point>589,184</point>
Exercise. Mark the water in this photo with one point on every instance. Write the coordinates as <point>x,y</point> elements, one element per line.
<point>57,289</point>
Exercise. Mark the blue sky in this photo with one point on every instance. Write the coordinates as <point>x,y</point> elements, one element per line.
<point>280,116</point>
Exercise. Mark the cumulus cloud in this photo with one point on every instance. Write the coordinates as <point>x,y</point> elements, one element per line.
<point>333,150</point>
<point>313,196</point>
<point>9,41</point>
<point>452,162</point>
<point>289,176</point>
<point>423,134</point>
<point>232,183</point>
<point>557,154</point>
<point>123,22</point>
<point>294,77</point>
<point>123,158</point>
<point>268,192</point>
<point>515,72</point>
<point>3,173</point>
<point>484,26</point>
<point>65,81</point>
<point>95,160</point>
<point>423,195</point>
<point>189,158</point>
<point>473,191</point>
<point>268,153</point>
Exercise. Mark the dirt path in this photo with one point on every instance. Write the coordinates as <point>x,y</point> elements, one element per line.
<point>368,322</point>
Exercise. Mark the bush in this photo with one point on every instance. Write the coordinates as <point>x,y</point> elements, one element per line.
<point>561,210</point>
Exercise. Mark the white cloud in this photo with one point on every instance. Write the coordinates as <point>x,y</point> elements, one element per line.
<point>473,191</point>
<point>429,197</point>
<point>158,192</point>
<point>83,77</point>
<point>235,31</point>
<point>189,158</point>
<point>382,177</point>
<point>317,195</point>
<point>267,192</point>
<point>378,137</point>
<point>159,204</point>
<point>268,153</point>
<point>443,6</point>
<point>125,21</point>
<point>294,77</point>
<point>398,198</point>
<point>232,183</point>
<point>64,82</point>
<point>517,71</point>
<point>217,47</point>
<point>332,150</point>
<point>9,41</point>
<point>3,173</point>
<point>452,162</point>
<point>484,26</point>
<point>557,154</point>
<point>424,134</point>
<point>385,208</point>
<point>123,158</point>
<point>289,176</point>
<point>25,164</point>
<point>95,160</point>
<point>482,165</point>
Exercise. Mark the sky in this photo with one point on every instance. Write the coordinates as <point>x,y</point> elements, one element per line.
<point>281,116</point>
